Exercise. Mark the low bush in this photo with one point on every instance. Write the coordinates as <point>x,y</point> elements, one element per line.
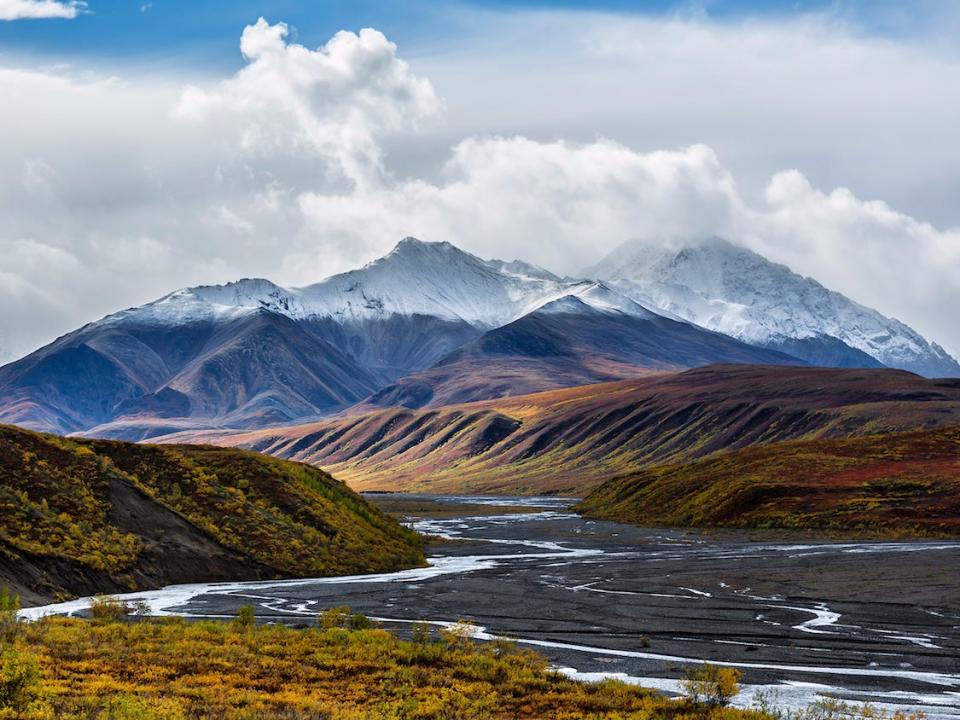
<point>21,687</point>
<point>167,669</point>
<point>107,609</point>
<point>710,686</point>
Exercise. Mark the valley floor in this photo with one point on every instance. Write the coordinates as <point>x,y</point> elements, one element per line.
<point>861,621</point>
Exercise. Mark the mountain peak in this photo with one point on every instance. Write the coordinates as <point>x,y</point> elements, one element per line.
<point>411,244</point>
<point>729,288</point>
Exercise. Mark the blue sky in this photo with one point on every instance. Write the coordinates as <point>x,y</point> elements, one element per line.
<point>186,32</point>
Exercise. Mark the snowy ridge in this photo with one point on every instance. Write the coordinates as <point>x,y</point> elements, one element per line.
<point>415,278</point>
<point>732,290</point>
<point>589,294</point>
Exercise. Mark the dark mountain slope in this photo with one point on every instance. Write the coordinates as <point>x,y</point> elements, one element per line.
<point>563,344</point>
<point>396,345</point>
<point>824,351</point>
<point>79,517</point>
<point>883,484</point>
<point>249,369</point>
<point>573,439</point>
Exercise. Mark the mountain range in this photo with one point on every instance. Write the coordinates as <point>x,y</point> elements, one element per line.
<point>429,325</point>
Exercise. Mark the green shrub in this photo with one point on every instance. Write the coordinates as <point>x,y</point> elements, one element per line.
<point>246,617</point>
<point>359,621</point>
<point>710,686</point>
<point>107,609</point>
<point>335,617</point>
<point>9,622</point>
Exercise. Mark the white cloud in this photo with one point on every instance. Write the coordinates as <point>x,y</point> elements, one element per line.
<point>558,202</point>
<point>39,9</point>
<point>881,257</point>
<point>335,101</point>
<point>308,162</point>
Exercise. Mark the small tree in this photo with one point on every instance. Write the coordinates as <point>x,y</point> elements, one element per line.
<point>459,634</point>
<point>710,686</point>
<point>140,608</point>
<point>246,617</point>
<point>9,620</point>
<point>335,617</point>
<point>420,633</point>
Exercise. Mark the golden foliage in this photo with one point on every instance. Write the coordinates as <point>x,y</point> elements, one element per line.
<point>169,669</point>
<point>57,495</point>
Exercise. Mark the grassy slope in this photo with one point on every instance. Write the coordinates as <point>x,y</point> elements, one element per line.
<point>79,512</point>
<point>172,670</point>
<point>904,483</point>
<point>572,440</point>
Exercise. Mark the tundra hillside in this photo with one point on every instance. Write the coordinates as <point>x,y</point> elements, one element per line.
<point>894,484</point>
<point>81,517</point>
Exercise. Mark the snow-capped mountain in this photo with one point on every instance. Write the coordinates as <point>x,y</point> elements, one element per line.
<point>732,290</point>
<point>415,278</point>
<point>429,322</point>
<point>251,352</point>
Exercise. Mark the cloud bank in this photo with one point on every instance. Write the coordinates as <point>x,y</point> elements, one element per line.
<point>39,9</point>
<point>116,191</point>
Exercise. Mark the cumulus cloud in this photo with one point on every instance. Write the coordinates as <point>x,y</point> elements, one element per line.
<point>39,9</point>
<point>881,257</point>
<point>558,201</point>
<point>307,162</point>
<point>334,101</point>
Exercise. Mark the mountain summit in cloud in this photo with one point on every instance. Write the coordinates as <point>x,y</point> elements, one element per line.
<point>724,287</point>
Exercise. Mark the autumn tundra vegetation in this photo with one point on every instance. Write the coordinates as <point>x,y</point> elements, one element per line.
<point>79,517</point>
<point>117,665</point>
<point>889,485</point>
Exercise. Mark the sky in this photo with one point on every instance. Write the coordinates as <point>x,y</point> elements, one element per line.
<point>148,146</point>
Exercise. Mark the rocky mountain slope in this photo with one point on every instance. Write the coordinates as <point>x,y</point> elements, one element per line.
<point>573,439</point>
<point>81,517</point>
<point>892,484</point>
<point>247,366</point>
<point>730,289</point>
